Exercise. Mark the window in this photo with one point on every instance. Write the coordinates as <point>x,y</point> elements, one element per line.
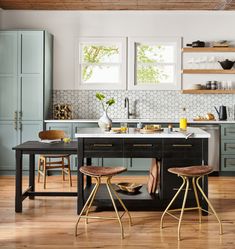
<point>102,63</point>
<point>154,63</point>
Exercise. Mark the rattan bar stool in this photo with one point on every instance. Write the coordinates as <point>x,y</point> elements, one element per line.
<point>97,173</point>
<point>195,173</point>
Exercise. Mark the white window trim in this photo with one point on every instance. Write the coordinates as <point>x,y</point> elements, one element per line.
<point>131,63</point>
<point>102,86</point>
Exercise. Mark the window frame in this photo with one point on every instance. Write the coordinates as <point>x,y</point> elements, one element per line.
<point>132,65</point>
<point>121,85</point>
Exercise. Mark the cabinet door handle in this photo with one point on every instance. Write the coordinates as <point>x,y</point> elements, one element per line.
<point>20,115</point>
<point>15,115</point>
<point>20,125</point>
<point>102,145</point>
<point>142,145</point>
<point>182,145</point>
<point>15,125</point>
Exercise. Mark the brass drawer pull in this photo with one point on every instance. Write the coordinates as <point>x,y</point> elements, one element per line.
<point>182,145</point>
<point>142,145</point>
<point>102,145</point>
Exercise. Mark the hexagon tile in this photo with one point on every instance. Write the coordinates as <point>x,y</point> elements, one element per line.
<point>144,104</point>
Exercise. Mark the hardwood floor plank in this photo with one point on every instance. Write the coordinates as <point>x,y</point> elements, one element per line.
<point>48,222</point>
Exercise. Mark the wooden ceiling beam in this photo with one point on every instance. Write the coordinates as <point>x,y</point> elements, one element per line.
<point>118,4</point>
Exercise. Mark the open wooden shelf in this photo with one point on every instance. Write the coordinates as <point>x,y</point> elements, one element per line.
<point>193,91</point>
<point>208,71</point>
<point>209,49</point>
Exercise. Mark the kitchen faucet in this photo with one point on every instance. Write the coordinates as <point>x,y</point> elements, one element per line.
<point>127,106</point>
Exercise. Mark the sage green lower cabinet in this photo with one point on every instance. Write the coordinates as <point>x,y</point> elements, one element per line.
<point>12,133</point>
<point>66,127</point>
<point>228,163</point>
<point>228,147</point>
<point>8,139</point>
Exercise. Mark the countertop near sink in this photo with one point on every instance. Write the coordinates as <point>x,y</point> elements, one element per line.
<point>156,121</point>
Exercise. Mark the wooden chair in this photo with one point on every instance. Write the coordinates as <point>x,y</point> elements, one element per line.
<point>60,161</point>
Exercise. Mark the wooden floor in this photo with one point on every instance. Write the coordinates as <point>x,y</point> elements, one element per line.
<point>48,222</point>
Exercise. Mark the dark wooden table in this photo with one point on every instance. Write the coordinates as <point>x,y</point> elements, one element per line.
<point>32,148</point>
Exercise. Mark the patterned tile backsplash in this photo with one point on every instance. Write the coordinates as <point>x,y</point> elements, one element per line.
<point>144,104</point>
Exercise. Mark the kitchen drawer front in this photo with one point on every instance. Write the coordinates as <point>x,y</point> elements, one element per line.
<point>228,146</point>
<point>184,149</point>
<point>228,131</point>
<point>103,147</point>
<point>143,147</point>
<point>228,162</point>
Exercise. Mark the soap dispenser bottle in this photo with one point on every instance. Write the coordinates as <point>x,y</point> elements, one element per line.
<point>183,120</point>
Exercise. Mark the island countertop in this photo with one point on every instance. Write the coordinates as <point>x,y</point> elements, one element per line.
<point>133,133</point>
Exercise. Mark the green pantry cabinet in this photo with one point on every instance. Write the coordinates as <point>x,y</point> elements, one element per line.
<point>228,147</point>
<point>25,89</point>
<point>133,164</point>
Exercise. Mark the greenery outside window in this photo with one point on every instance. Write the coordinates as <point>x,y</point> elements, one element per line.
<point>154,63</point>
<point>102,63</point>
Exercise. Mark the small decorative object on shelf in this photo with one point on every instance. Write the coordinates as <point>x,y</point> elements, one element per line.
<point>105,123</point>
<point>221,44</point>
<point>226,64</point>
<point>62,111</point>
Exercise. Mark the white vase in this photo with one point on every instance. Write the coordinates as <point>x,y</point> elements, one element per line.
<point>105,123</point>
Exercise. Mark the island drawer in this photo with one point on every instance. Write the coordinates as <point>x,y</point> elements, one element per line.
<point>101,147</point>
<point>183,149</point>
<point>141,147</point>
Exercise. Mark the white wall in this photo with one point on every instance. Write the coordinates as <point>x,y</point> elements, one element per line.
<point>67,25</point>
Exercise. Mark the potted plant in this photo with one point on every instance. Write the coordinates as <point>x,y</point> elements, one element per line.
<point>105,123</point>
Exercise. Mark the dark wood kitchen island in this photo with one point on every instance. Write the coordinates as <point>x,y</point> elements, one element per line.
<point>171,149</point>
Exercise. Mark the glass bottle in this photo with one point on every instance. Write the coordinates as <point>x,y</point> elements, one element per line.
<point>183,120</point>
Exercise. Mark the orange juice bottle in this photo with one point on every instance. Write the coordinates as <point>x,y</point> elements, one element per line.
<point>183,121</point>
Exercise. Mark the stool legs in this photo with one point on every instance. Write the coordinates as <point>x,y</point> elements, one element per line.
<point>94,190</point>
<point>210,205</point>
<point>197,200</point>
<point>115,208</point>
<point>171,202</point>
<point>120,200</point>
<point>91,198</point>
<point>196,185</point>
<point>183,206</point>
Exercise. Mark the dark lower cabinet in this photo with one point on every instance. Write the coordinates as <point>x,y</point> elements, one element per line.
<point>180,153</point>
<point>169,152</point>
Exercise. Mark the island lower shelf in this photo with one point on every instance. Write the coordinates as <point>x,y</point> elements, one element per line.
<point>134,202</point>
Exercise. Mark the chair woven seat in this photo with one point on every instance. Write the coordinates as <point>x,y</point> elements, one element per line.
<point>191,170</point>
<point>101,171</point>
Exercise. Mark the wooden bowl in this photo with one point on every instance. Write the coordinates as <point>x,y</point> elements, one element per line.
<point>129,187</point>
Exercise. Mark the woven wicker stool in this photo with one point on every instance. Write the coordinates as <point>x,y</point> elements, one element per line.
<point>98,173</point>
<point>195,173</point>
